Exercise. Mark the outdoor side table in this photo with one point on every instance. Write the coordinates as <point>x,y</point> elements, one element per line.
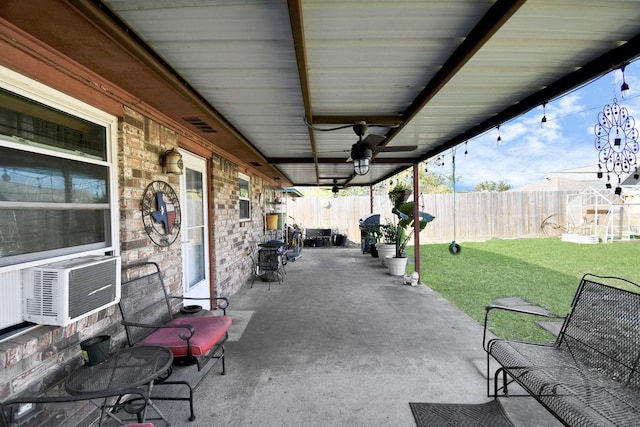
<point>126,369</point>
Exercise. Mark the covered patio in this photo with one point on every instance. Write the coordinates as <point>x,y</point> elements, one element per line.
<point>342,343</point>
<point>258,96</point>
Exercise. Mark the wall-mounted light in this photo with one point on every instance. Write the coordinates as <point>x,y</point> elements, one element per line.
<point>361,155</point>
<point>171,160</point>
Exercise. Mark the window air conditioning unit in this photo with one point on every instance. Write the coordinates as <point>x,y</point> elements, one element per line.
<point>66,291</point>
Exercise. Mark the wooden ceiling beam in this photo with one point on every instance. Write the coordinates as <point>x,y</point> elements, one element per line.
<point>334,160</point>
<point>297,30</point>
<point>490,23</point>
<point>391,120</point>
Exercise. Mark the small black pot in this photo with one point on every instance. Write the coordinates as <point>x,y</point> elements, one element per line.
<point>373,250</point>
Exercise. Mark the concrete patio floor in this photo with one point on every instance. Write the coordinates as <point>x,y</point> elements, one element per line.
<point>342,343</point>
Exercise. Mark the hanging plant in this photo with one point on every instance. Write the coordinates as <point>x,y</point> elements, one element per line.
<point>399,193</point>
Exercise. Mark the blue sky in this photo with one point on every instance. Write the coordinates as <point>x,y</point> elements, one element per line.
<point>528,152</point>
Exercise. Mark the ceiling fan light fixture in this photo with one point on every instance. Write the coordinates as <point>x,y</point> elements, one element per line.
<point>361,155</point>
<point>361,166</point>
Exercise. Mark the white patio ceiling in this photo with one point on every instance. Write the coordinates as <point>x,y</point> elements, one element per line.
<point>438,72</point>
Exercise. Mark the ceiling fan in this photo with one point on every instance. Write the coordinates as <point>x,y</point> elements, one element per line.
<point>335,188</point>
<point>367,146</point>
<point>363,151</point>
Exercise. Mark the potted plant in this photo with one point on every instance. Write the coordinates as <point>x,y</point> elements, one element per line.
<point>405,214</point>
<point>387,245</point>
<point>399,193</point>
<point>373,237</point>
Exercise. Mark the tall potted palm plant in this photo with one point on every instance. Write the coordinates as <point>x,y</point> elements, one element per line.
<point>404,212</point>
<point>406,223</point>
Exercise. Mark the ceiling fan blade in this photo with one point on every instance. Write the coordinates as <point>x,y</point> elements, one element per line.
<point>396,149</point>
<point>373,139</point>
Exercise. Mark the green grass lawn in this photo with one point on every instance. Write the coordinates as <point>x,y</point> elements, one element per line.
<point>545,272</point>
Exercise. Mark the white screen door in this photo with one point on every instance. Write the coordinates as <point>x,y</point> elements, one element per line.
<point>195,230</point>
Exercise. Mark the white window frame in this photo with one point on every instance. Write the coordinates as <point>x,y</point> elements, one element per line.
<point>243,177</point>
<point>35,91</point>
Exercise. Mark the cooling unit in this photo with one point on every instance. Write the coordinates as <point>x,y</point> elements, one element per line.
<point>63,292</point>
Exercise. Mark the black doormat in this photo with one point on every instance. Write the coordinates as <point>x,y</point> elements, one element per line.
<point>452,414</point>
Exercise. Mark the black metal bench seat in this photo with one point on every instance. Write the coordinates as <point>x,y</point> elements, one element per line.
<point>590,376</point>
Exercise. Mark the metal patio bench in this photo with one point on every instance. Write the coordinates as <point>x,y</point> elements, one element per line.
<point>590,375</point>
<point>151,317</point>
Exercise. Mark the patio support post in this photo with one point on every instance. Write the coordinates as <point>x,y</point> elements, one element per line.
<point>370,198</point>
<point>416,216</point>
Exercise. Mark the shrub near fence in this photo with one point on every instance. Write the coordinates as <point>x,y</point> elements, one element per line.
<point>478,216</point>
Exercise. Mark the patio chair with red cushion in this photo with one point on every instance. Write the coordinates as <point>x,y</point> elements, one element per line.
<point>151,316</point>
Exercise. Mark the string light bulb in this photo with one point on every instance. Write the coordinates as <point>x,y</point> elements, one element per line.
<point>624,88</point>
<point>499,140</point>
<point>543,121</point>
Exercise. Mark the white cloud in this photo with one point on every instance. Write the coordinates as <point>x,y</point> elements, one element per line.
<point>528,152</point>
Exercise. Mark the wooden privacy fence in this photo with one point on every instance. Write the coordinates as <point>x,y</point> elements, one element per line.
<point>476,216</point>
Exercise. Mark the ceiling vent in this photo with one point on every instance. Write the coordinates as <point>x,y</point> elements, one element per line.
<point>200,124</point>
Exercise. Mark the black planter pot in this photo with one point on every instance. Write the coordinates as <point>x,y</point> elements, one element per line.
<point>373,250</point>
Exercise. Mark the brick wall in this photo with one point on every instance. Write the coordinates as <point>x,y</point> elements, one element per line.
<point>40,359</point>
<point>232,238</point>
<point>141,144</point>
